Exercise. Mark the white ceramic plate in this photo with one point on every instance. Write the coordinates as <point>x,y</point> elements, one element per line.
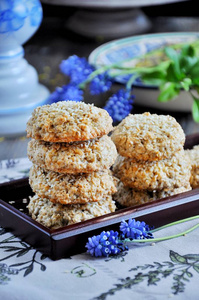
<point>132,48</point>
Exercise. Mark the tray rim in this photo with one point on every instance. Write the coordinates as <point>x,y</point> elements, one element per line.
<point>70,240</point>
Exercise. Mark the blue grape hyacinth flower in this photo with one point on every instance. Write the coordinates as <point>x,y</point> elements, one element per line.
<point>80,74</point>
<point>105,244</point>
<point>100,84</point>
<point>110,243</point>
<point>119,105</point>
<point>77,68</point>
<point>65,93</point>
<point>135,229</point>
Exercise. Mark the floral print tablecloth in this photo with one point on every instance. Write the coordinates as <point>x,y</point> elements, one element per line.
<point>163,270</point>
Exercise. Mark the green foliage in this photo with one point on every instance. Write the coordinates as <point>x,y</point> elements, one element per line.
<point>178,71</point>
<point>180,267</point>
<point>14,247</point>
<point>195,109</point>
<point>84,270</point>
<point>181,72</point>
<point>5,271</point>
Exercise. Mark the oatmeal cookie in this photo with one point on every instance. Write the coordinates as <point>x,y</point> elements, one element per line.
<point>148,137</point>
<point>126,196</point>
<point>77,157</point>
<point>157,175</point>
<point>71,188</point>
<point>168,193</point>
<point>55,215</point>
<point>68,121</point>
<point>129,197</point>
<point>193,155</point>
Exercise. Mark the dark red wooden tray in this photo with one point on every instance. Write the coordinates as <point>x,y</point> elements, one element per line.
<point>71,239</point>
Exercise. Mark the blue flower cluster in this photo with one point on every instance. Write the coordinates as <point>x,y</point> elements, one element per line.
<point>78,69</point>
<point>81,73</point>
<point>119,105</point>
<point>100,84</point>
<point>135,230</point>
<point>112,243</point>
<point>69,92</point>
<point>105,244</point>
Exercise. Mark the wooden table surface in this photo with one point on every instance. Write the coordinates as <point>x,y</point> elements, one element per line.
<point>53,42</point>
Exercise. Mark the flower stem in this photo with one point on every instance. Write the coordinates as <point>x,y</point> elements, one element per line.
<point>164,238</point>
<point>130,81</point>
<point>175,223</point>
<point>98,72</point>
<point>118,69</point>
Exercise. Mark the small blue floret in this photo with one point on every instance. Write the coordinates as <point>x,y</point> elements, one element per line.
<point>105,244</point>
<point>65,93</point>
<point>100,84</point>
<point>77,68</point>
<point>119,105</point>
<point>135,229</point>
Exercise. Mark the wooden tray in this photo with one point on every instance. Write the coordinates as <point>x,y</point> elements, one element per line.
<point>71,239</point>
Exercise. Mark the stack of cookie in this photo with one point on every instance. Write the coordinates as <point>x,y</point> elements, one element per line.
<point>152,163</point>
<point>193,155</point>
<point>72,156</point>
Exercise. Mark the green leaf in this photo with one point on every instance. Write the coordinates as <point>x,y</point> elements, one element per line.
<point>192,256</point>
<point>175,65</point>
<point>189,274</point>
<point>177,258</point>
<point>195,109</point>
<point>153,280</point>
<point>196,268</point>
<point>186,83</point>
<point>22,252</point>
<point>28,270</point>
<point>154,75</point>
<point>188,50</point>
<point>168,91</point>
<point>194,71</point>
<point>187,63</point>
<point>185,279</point>
<point>43,267</point>
<point>154,78</point>
<point>171,74</point>
<point>196,83</point>
<point>167,272</point>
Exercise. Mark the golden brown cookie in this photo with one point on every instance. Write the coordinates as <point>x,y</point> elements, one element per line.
<point>157,175</point>
<point>68,121</point>
<point>77,157</point>
<point>126,196</point>
<point>148,137</point>
<point>193,155</point>
<point>55,215</point>
<point>71,188</point>
<point>168,193</point>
